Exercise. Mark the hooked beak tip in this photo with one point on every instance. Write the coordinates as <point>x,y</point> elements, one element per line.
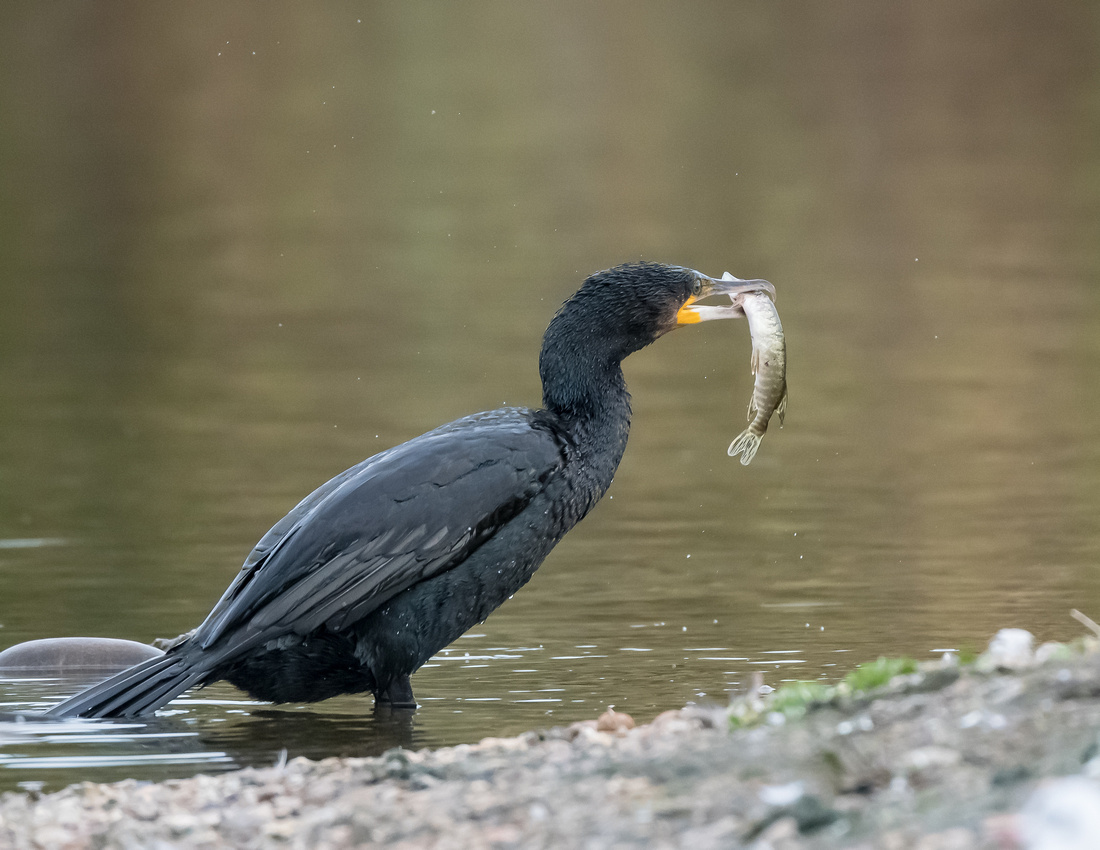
<point>733,286</point>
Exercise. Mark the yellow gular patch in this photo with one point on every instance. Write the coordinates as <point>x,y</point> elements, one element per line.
<point>686,315</point>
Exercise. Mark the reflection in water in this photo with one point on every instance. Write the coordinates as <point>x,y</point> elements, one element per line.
<point>240,253</point>
<point>29,542</point>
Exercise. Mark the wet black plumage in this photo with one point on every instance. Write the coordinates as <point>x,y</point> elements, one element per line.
<point>392,560</point>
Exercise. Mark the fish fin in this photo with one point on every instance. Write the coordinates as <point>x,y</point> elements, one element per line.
<point>781,408</point>
<point>752,408</point>
<point>755,361</point>
<point>745,445</point>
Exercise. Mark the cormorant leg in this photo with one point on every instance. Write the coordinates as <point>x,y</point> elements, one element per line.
<point>397,694</point>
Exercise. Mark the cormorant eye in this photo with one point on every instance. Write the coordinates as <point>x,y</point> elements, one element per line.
<point>697,288</point>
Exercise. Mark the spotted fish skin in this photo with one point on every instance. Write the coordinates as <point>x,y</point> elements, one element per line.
<point>769,365</point>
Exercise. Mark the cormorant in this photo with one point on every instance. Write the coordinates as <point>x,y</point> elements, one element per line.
<point>392,560</point>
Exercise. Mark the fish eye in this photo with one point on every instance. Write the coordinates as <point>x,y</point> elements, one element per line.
<point>697,288</point>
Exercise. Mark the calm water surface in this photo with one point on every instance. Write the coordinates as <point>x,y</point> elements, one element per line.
<point>241,248</point>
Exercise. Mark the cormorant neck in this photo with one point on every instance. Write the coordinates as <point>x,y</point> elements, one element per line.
<point>583,389</point>
<point>582,376</point>
<point>586,397</point>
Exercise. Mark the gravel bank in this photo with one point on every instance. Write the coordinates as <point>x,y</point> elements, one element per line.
<point>937,760</point>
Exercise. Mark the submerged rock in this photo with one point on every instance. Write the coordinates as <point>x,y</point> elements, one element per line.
<point>73,656</point>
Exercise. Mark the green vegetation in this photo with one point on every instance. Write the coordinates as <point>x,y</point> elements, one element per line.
<point>793,699</point>
<point>867,677</point>
<point>967,655</point>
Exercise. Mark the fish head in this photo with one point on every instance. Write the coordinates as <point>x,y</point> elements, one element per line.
<point>704,287</point>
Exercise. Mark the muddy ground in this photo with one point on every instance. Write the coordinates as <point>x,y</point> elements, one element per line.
<point>979,756</point>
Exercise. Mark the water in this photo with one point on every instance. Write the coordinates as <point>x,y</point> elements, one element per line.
<point>243,248</point>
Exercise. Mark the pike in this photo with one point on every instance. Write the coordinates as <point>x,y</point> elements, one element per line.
<point>769,365</point>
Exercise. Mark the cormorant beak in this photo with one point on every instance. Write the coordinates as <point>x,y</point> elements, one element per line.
<point>692,312</point>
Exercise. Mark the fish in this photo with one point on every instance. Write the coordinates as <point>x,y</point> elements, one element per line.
<point>769,365</point>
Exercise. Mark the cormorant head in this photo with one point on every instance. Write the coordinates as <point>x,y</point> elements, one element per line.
<point>633,304</point>
<point>618,311</point>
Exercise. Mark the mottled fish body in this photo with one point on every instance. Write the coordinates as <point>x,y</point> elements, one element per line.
<point>769,365</point>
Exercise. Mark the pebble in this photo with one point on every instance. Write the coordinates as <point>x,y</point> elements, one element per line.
<point>1010,649</point>
<point>614,721</point>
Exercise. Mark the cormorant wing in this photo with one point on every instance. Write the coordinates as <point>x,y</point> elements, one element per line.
<point>393,520</point>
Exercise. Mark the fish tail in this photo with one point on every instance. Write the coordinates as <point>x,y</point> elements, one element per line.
<point>745,445</point>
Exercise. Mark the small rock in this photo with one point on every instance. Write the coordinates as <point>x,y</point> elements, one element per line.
<point>614,721</point>
<point>680,721</point>
<point>923,758</point>
<point>52,836</point>
<point>1063,814</point>
<point>670,717</point>
<point>781,795</point>
<point>1052,650</point>
<point>1010,649</point>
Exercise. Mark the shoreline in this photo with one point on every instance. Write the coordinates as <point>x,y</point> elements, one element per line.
<point>942,758</point>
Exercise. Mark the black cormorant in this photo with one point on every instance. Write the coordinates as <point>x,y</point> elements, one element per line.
<point>392,560</point>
